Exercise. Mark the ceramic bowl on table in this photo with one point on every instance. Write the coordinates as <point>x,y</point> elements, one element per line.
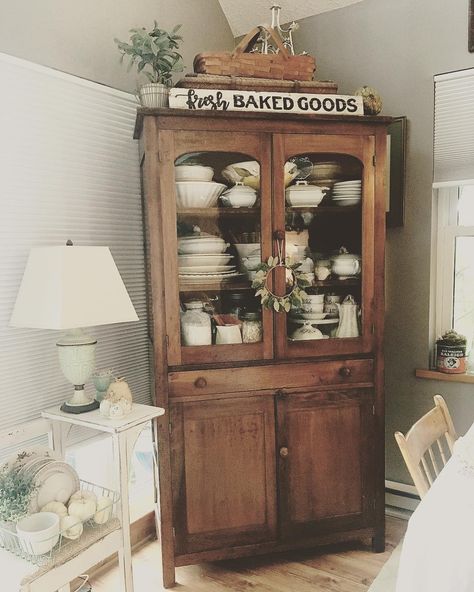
<point>198,194</point>
<point>200,259</point>
<point>193,172</point>
<point>38,533</point>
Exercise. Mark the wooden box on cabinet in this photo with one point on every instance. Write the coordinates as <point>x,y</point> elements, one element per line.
<point>276,444</point>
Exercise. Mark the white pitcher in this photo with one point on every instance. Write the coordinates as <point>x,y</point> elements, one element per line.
<point>348,312</point>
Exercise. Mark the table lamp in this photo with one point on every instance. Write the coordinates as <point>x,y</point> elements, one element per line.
<point>68,288</point>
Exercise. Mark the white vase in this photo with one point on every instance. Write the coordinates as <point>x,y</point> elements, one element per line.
<point>154,95</point>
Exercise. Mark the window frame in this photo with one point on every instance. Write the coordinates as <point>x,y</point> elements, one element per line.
<point>445,232</point>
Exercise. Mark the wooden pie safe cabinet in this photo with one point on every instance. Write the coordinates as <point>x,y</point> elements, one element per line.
<point>276,444</point>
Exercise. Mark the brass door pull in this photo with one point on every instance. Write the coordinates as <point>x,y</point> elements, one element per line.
<point>284,452</point>
<point>345,371</point>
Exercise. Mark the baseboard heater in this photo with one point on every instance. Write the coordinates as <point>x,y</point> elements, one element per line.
<point>401,500</point>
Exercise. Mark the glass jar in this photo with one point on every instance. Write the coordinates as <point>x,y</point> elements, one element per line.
<point>196,324</point>
<point>252,330</point>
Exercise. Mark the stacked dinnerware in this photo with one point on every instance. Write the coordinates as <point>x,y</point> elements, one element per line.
<point>202,257</point>
<point>195,187</point>
<point>347,193</point>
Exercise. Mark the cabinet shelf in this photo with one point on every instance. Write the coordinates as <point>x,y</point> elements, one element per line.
<point>214,286</point>
<point>218,212</point>
<point>336,283</point>
<point>323,209</point>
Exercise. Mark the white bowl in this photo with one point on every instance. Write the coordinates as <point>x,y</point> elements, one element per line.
<point>202,247</point>
<point>346,201</point>
<point>193,172</point>
<point>247,249</point>
<point>248,173</point>
<point>201,259</point>
<point>198,194</point>
<point>38,533</point>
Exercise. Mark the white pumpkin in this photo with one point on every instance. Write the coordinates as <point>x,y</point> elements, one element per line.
<point>103,511</point>
<point>71,527</point>
<point>82,505</point>
<point>55,507</point>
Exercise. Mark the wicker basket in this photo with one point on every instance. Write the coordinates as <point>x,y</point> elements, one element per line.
<point>278,66</point>
<point>207,81</point>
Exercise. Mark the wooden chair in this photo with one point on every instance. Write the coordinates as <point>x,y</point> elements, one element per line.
<point>424,446</point>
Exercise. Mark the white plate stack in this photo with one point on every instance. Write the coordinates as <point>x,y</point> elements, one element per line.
<point>202,257</point>
<point>347,193</point>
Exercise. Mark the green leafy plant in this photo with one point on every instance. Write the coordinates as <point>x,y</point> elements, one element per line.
<point>154,52</point>
<point>452,337</point>
<point>294,298</point>
<point>16,490</point>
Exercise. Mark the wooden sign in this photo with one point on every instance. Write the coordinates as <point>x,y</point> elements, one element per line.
<point>265,102</point>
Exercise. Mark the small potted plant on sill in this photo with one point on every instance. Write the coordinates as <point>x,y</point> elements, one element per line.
<point>155,53</point>
<point>451,353</point>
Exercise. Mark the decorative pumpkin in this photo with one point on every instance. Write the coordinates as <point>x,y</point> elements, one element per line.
<point>103,510</point>
<point>55,507</point>
<point>71,527</point>
<point>371,99</point>
<point>118,401</point>
<point>82,505</point>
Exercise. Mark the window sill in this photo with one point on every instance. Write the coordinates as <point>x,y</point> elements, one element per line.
<point>435,375</point>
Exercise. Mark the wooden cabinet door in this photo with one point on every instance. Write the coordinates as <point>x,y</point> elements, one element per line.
<point>326,461</point>
<point>223,473</point>
<point>324,231</point>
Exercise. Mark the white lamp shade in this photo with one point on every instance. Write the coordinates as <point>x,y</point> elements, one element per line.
<point>70,287</point>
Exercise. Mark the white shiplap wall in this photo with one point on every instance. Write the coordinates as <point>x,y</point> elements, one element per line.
<point>68,169</point>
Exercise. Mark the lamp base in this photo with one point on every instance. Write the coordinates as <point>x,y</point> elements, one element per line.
<point>68,408</point>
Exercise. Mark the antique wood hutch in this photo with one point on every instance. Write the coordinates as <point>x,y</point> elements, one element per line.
<point>275,444</point>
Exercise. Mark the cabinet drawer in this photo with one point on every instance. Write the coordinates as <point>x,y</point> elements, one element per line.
<point>271,377</point>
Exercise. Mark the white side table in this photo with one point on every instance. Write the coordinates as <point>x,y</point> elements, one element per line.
<point>124,434</point>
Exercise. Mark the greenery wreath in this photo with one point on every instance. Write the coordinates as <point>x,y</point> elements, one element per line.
<point>284,303</point>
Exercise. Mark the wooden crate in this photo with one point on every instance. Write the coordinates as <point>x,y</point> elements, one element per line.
<point>257,84</point>
<point>277,66</point>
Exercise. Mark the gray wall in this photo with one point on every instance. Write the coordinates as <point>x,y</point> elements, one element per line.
<point>397,47</point>
<point>77,36</point>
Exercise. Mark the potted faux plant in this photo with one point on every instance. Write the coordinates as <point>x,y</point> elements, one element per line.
<point>155,53</point>
<point>451,353</point>
<point>16,490</point>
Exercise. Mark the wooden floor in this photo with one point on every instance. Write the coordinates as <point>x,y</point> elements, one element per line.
<point>346,568</point>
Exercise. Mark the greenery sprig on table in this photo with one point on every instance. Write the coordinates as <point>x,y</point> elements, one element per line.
<point>284,303</point>
<point>154,52</point>
<point>16,490</point>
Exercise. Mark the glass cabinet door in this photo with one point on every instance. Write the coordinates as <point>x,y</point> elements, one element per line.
<point>221,218</point>
<point>325,212</point>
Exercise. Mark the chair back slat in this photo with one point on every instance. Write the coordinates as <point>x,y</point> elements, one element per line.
<point>417,447</point>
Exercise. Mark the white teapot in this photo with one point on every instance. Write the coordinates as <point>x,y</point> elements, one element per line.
<point>345,264</point>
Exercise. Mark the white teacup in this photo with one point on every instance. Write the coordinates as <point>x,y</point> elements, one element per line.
<point>313,303</point>
<point>228,334</point>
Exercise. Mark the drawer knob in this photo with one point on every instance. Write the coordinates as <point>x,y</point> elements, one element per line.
<point>284,452</point>
<point>200,382</point>
<point>345,371</point>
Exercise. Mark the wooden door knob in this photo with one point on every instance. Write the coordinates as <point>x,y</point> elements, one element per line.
<point>200,382</point>
<point>345,371</point>
<point>284,452</point>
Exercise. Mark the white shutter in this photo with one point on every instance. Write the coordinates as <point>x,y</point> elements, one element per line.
<point>454,128</point>
<point>68,170</point>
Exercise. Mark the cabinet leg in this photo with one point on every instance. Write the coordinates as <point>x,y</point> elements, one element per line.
<point>378,543</point>
<point>169,579</point>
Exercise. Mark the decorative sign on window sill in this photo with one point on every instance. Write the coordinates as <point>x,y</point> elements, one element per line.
<point>265,102</point>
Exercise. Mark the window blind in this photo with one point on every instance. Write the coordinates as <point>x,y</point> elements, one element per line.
<point>454,128</point>
<point>68,170</point>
